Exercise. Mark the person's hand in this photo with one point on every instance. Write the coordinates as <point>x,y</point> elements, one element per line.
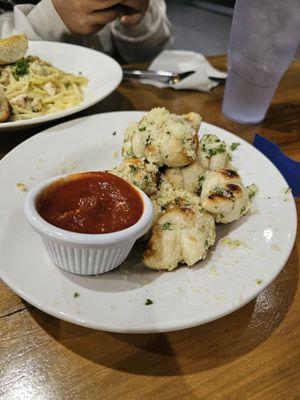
<point>87,17</point>
<point>133,11</point>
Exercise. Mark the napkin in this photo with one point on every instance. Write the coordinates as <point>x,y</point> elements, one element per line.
<point>288,167</point>
<point>183,61</point>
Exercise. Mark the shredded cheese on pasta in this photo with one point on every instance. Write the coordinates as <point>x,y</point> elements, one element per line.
<point>38,88</point>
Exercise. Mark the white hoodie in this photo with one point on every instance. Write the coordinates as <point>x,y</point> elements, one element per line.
<point>133,43</point>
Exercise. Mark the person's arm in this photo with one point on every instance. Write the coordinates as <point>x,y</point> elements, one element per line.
<point>134,43</point>
<point>145,40</point>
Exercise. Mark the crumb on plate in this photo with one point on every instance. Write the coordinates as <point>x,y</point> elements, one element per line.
<point>232,243</point>
<point>21,186</point>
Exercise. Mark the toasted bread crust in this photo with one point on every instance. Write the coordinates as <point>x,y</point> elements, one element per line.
<point>13,48</point>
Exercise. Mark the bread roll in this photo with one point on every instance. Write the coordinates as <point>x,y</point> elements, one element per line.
<point>13,49</point>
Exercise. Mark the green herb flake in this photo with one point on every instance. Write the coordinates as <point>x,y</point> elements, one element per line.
<point>217,150</point>
<point>114,133</point>
<point>148,302</point>
<point>252,190</point>
<point>201,179</point>
<point>234,146</point>
<point>222,192</point>
<point>259,281</point>
<point>142,128</point>
<point>243,209</point>
<point>129,153</point>
<point>21,68</point>
<point>133,169</point>
<point>166,226</point>
<point>76,294</point>
<point>287,190</point>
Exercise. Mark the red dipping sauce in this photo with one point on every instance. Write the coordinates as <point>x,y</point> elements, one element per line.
<point>91,202</point>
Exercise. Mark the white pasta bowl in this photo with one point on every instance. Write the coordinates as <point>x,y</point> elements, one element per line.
<point>81,253</point>
<point>103,73</point>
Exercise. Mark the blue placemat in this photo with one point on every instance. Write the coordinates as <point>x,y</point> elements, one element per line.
<point>289,168</point>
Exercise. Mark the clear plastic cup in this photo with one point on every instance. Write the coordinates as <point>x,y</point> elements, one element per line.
<point>264,38</point>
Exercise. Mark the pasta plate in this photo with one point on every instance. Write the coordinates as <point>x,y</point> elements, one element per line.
<point>103,73</point>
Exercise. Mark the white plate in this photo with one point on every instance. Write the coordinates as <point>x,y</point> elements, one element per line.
<point>228,279</point>
<point>103,72</point>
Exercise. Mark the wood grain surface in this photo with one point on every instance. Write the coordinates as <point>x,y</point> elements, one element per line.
<point>253,353</point>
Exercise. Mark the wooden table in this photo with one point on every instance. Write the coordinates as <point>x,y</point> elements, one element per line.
<point>253,353</point>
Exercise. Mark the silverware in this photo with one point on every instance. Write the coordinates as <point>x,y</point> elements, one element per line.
<point>167,77</point>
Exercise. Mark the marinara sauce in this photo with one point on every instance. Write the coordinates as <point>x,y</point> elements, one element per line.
<point>91,202</point>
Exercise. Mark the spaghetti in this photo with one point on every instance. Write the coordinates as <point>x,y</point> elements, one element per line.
<point>34,87</point>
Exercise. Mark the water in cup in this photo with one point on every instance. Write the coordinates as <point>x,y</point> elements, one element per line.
<point>264,37</point>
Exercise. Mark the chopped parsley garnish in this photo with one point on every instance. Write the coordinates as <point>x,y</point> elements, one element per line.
<point>76,294</point>
<point>252,190</point>
<point>243,209</point>
<point>168,133</point>
<point>142,128</point>
<point>216,150</point>
<point>114,133</point>
<point>201,180</point>
<point>221,192</point>
<point>259,281</point>
<point>234,146</point>
<point>148,302</point>
<point>129,153</point>
<point>287,190</point>
<point>21,68</point>
<point>133,169</point>
<point>206,244</point>
<point>166,226</point>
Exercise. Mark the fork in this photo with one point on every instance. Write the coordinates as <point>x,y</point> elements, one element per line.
<point>166,77</point>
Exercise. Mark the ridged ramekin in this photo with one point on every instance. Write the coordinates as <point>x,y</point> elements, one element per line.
<point>80,253</point>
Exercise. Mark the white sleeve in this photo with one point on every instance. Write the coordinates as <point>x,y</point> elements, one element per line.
<point>138,43</point>
<point>145,40</point>
<point>40,22</point>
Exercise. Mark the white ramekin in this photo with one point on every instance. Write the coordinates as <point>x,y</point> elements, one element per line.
<point>80,253</point>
